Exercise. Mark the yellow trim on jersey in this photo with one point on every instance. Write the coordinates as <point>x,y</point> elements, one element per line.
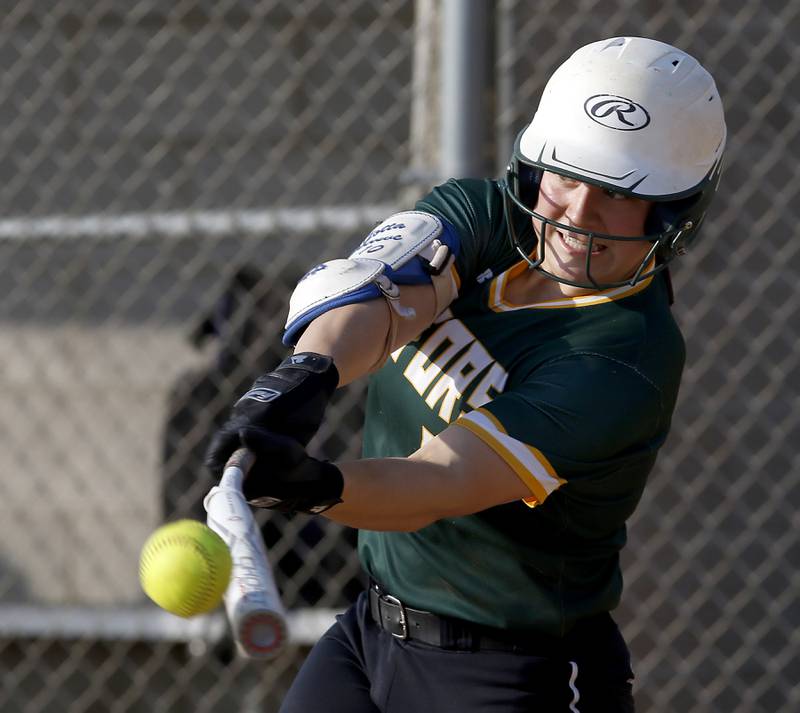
<point>498,302</point>
<point>529,463</point>
<point>456,277</point>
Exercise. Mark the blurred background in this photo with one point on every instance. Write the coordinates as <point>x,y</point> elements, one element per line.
<point>170,169</point>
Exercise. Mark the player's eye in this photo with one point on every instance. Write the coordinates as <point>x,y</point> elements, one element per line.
<point>613,195</point>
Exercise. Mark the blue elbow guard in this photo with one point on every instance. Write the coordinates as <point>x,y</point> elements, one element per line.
<point>409,248</point>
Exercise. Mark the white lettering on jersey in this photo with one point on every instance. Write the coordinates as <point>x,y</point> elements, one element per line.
<point>448,382</point>
<point>421,371</point>
<point>491,384</point>
<point>396,354</point>
<point>458,377</point>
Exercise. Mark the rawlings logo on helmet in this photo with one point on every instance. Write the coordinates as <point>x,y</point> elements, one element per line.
<point>616,112</point>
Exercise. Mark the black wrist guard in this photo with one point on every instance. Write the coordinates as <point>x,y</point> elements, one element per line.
<point>317,497</point>
<point>284,477</point>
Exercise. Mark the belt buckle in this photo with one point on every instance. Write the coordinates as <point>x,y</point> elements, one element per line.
<point>403,619</point>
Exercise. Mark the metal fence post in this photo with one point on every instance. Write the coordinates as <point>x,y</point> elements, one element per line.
<point>465,48</point>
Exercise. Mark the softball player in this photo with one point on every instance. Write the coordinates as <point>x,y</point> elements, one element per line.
<point>525,368</point>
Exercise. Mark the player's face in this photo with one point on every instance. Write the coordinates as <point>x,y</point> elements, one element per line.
<point>572,202</point>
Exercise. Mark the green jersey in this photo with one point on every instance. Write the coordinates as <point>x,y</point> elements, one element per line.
<point>575,394</point>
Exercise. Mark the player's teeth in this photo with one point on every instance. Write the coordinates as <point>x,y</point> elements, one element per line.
<point>579,244</point>
<point>574,242</point>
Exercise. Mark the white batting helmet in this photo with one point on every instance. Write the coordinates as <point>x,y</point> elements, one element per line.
<point>638,117</point>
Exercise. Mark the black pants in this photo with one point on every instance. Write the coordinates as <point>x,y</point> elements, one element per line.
<point>356,667</point>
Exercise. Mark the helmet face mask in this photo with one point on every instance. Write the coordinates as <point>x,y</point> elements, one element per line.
<point>664,144</point>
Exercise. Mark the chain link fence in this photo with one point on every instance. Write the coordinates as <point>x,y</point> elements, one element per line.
<point>169,172</point>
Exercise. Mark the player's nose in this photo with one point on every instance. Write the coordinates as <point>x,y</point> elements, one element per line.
<point>583,208</point>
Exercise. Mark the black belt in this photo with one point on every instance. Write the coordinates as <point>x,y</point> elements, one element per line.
<point>404,622</point>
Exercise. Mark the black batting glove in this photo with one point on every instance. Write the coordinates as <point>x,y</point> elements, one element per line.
<point>290,400</point>
<point>284,477</point>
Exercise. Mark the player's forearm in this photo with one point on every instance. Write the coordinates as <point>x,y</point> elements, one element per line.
<point>356,335</point>
<point>450,476</point>
<point>397,494</point>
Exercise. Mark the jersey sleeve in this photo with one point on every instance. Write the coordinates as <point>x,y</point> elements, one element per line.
<point>577,419</point>
<point>474,208</point>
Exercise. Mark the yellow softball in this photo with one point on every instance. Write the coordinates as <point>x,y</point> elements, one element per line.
<point>185,568</point>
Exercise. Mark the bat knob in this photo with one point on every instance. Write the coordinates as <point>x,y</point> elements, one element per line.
<point>262,635</point>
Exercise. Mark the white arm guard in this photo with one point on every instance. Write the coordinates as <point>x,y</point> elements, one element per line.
<point>384,259</point>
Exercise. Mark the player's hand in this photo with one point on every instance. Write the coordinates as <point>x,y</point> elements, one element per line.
<point>284,477</point>
<point>290,400</point>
